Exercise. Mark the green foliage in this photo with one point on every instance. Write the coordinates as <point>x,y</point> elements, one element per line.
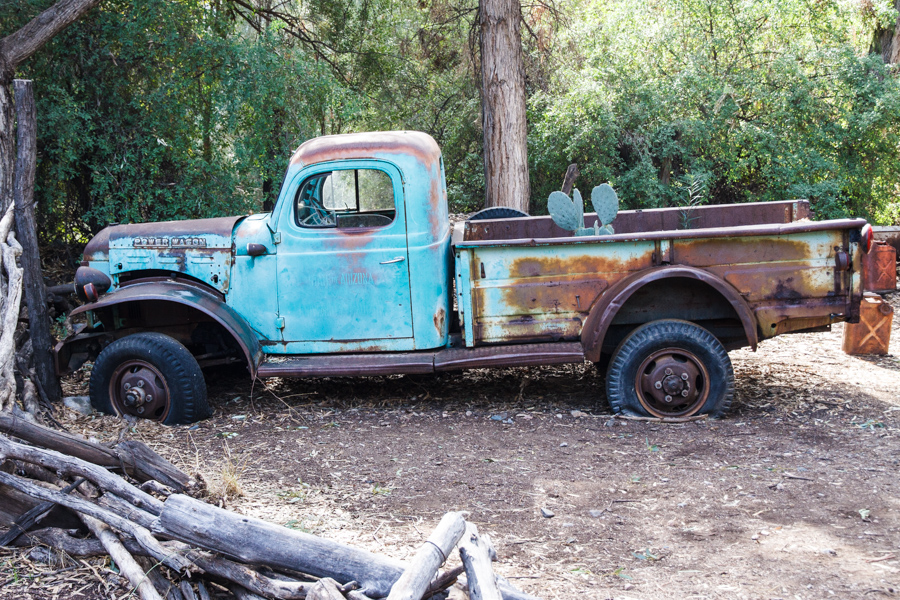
<point>186,108</point>
<point>771,99</point>
<point>166,110</point>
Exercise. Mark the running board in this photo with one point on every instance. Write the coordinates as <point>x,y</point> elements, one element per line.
<point>448,359</point>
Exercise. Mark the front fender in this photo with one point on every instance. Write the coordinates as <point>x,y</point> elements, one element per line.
<point>187,295</point>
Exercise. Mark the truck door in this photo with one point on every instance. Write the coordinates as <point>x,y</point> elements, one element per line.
<point>343,269</point>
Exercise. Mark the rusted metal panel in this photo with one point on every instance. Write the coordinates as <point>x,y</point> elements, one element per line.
<point>872,335</point>
<point>533,294</point>
<point>449,359</point>
<point>642,221</point>
<point>880,268</point>
<point>609,305</point>
<point>715,232</point>
<point>776,277</point>
<point>169,293</point>
<point>199,248</point>
<point>349,365</point>
<point>520,355</point>
<point>254,290</point>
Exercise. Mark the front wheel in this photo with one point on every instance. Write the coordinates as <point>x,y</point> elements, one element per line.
<point>670,368</point>
<point>152,376</point>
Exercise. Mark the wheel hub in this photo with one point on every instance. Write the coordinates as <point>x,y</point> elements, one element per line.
<point>671,383</point>
<point>138,388</point>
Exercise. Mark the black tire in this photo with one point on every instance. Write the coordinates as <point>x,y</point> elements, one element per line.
<point>670,368</point>
<point>151,376</point>
<point>496,212</point>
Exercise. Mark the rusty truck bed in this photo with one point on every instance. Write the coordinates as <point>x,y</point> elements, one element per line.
<point>526,280</point>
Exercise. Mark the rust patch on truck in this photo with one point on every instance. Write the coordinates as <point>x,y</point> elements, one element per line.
<point>367,145</point>
<point>439,318</point>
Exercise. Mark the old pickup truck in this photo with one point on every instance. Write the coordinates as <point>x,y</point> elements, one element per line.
<point>357,271</point>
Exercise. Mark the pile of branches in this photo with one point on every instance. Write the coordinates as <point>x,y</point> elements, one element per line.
<point>85,499</point>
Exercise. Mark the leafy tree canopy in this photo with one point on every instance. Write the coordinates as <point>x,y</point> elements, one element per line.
<point>169,109</point>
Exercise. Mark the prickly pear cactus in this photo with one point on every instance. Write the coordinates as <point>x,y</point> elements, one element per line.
<point>605,202</point>
<point>566,212</point>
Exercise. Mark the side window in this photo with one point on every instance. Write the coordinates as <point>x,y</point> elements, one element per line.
<point>346,199</point>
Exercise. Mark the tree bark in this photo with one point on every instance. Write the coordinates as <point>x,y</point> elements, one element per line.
<point>476,558</point>
<point>503,105</point>
<point>886,41</point>
<point>23,194</point>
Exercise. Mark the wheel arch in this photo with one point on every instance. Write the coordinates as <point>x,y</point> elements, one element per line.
<point>622,295</point>
<point>158,303</point>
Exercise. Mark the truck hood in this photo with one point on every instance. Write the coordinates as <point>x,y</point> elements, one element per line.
<point>209,233</point>
<point>200,248</point>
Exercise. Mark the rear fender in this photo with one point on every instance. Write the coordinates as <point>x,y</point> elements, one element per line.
<point>608,304</point>
<point>171,293</point>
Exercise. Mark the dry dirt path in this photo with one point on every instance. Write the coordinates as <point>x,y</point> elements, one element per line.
<point>792,495</point>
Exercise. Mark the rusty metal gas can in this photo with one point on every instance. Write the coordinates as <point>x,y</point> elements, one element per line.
<point>880,268</point>
<point>872,335</point>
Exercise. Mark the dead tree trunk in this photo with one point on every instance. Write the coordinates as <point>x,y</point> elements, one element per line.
<point>503,105</point>
<point>886,40</point>
<point>23,194</point>
<point>14,49</point>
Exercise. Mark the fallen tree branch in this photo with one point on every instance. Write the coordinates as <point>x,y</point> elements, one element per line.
<point>67,465</point>
<point>135,458</point>
<point>33,517</point>
<point>126,563</point>
<point>143,537</point>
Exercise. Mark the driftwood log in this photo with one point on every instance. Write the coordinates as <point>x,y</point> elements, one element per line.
<point>431,555</point>
<point>255,541</point>
<point>476,557</point>
<point>135,458</point>
<point>146,529</point>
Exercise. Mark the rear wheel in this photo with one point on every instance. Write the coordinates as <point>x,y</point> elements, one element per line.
<point>152,376</point>
<point>670,368</point>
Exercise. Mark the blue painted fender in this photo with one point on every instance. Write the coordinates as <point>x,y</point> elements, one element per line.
<point>194,296</point>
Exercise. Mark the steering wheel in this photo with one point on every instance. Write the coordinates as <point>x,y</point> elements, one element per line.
<point>318,216</point>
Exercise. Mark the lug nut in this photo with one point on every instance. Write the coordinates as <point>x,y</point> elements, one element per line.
<point>684,376</point>
<point>150,398</point>
<point>141,383</point>
<point>668,398</point>
<point>127,386</point>
<point>140,410</point>
<point>668,371</point>
<point>658,385</point>
<point>684,393</point>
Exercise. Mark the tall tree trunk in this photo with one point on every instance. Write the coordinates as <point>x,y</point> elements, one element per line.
<point>35,293</point>
<point>7,145</point>
<point>14,49</point>
<point>503,105</point>
<point>886,41</point>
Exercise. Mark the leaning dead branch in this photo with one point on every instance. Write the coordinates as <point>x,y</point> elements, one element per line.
<point>168,544</point>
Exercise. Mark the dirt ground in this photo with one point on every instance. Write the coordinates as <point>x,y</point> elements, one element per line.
<point>793,495</point>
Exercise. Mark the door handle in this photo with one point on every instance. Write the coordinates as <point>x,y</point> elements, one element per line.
<point>394,260</point>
